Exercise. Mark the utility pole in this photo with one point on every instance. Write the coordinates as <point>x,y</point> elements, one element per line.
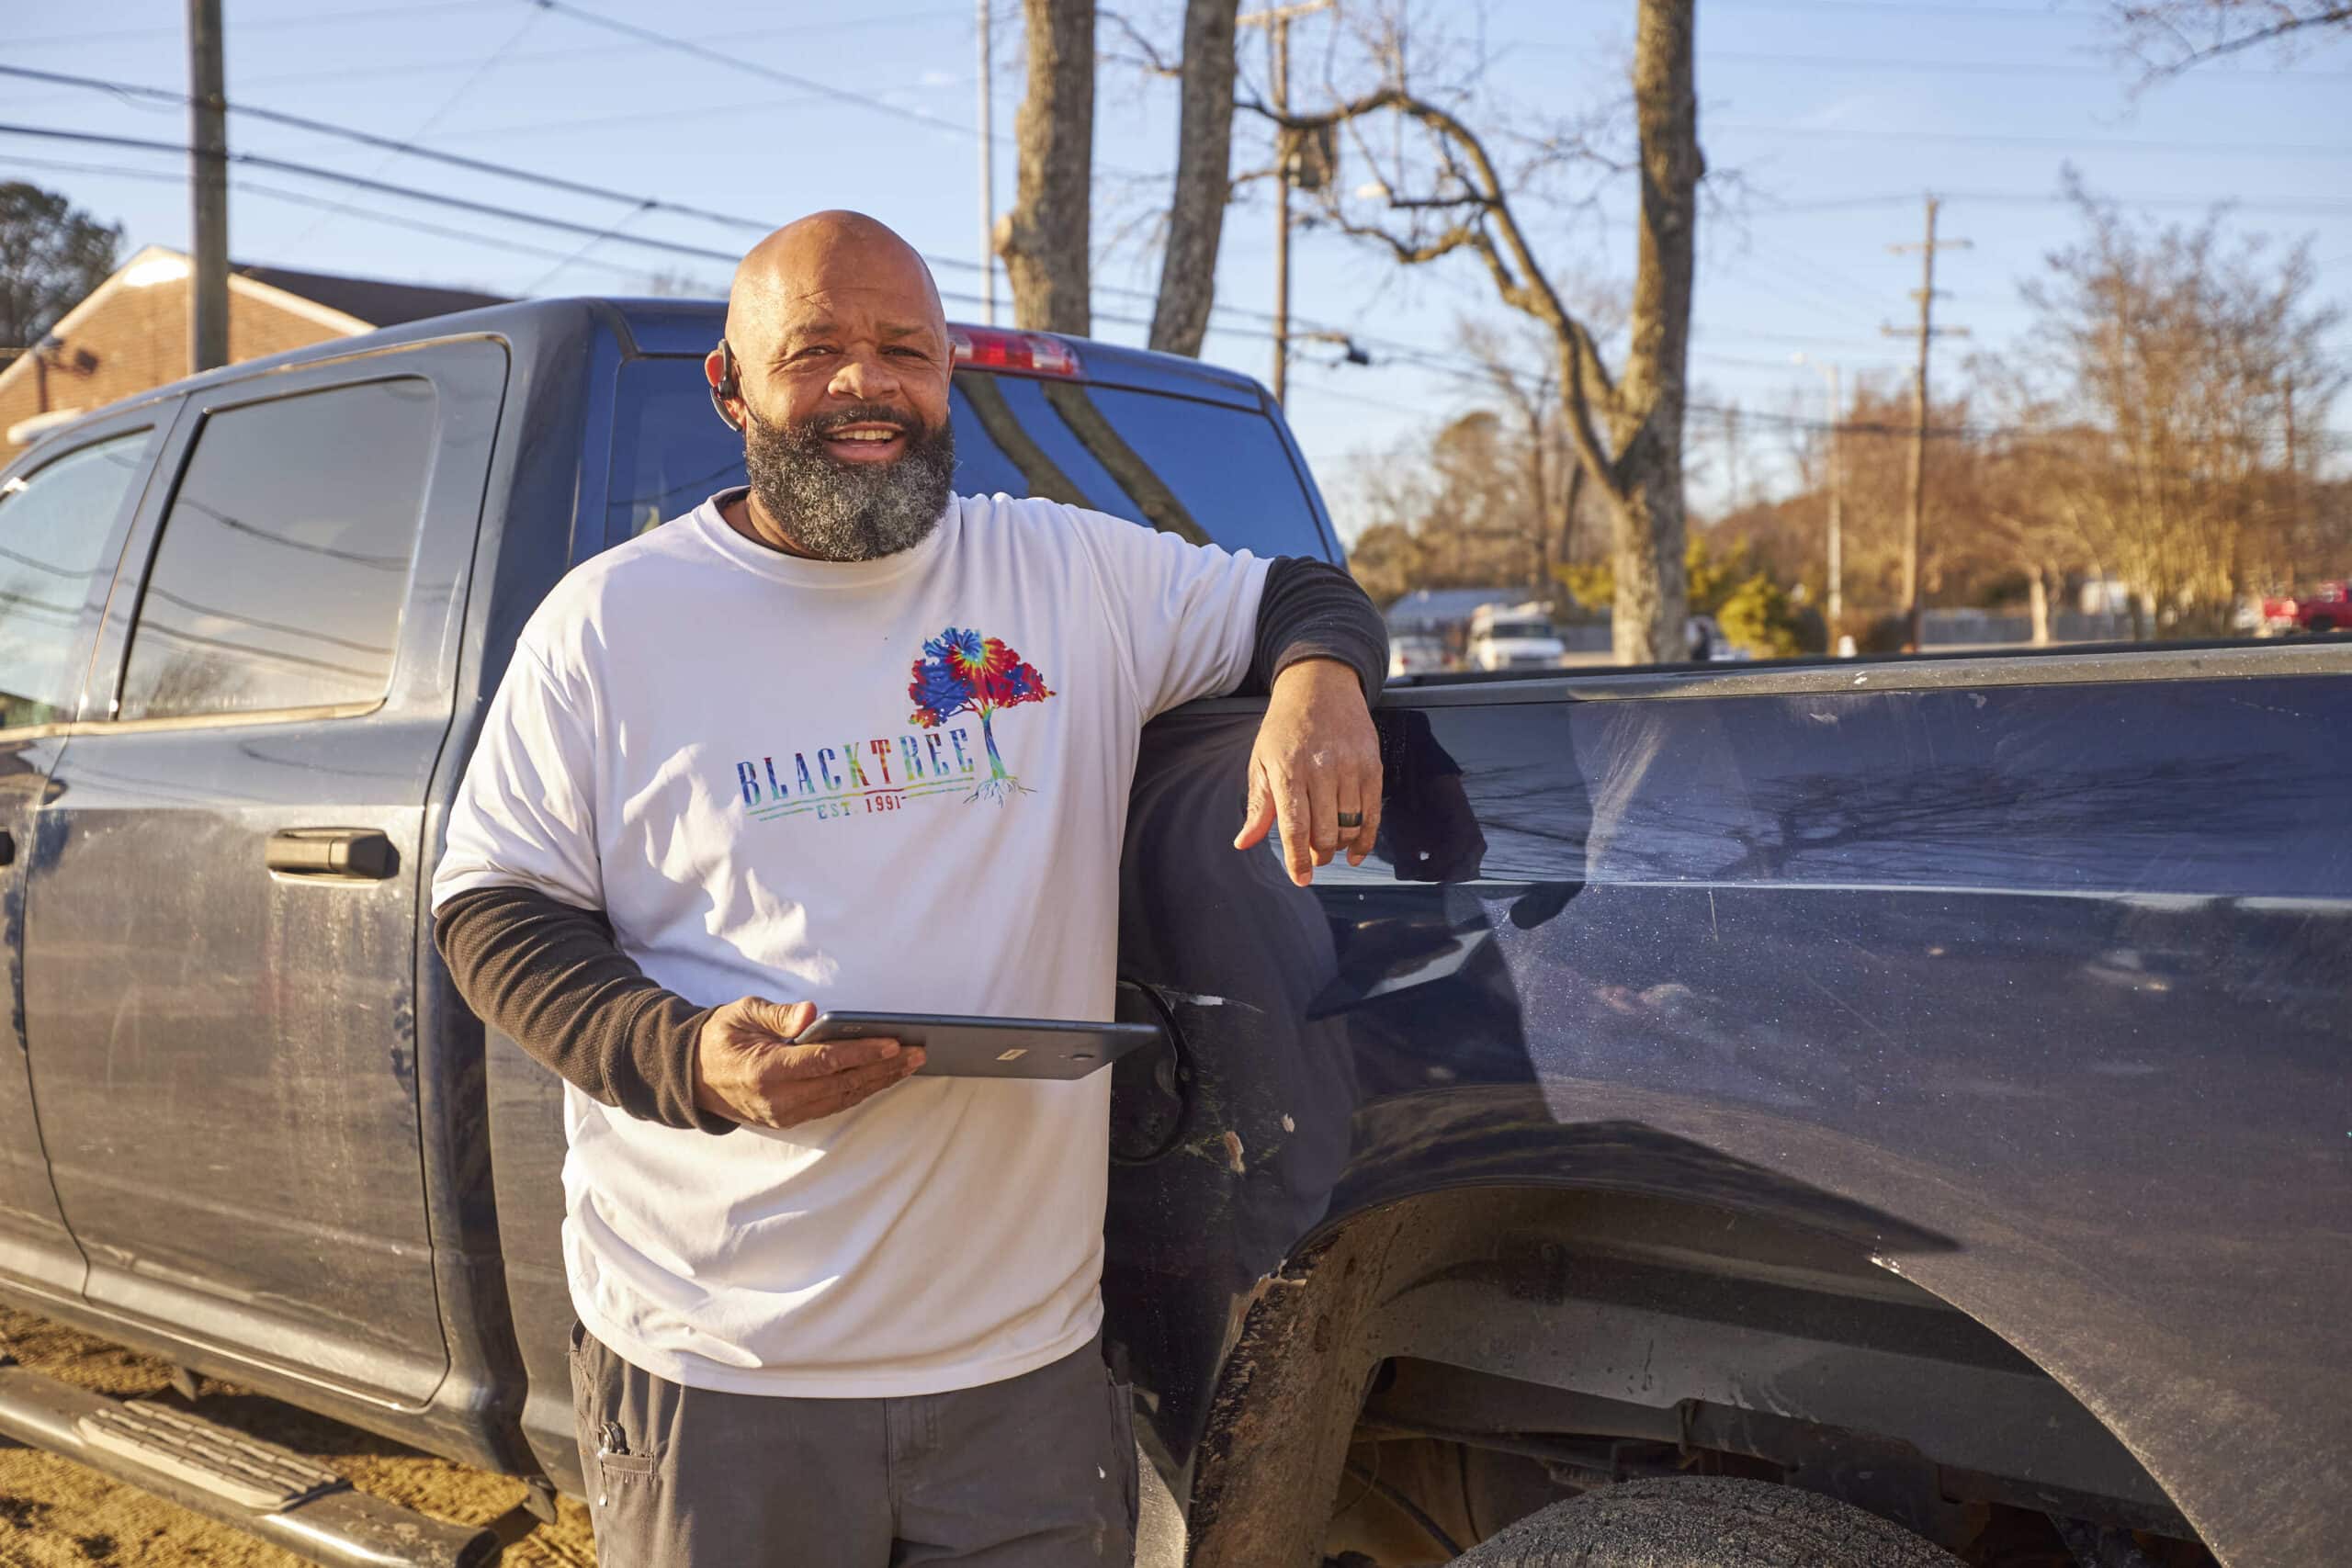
<point>987,174</point>
<point>1835,600</point>
<point>2293,466</point>
<point>1913,576</point>
<point>207,105</point>
<point>1276,20</point>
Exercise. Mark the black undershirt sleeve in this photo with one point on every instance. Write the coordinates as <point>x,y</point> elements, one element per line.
<point>1311,609</point>
<point>551,977</point>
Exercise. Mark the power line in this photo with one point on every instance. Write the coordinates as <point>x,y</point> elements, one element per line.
<point>1406,353</point>
<point>1850,286</point>
<point>2009,68</point>
<point>797,31</point>
<point>1410,354</point>
<point>669,114</point>
<point>2025,199</point>
<point>382,187</point>
<point>489,64</point>
<point>1747,264</point>
<point>1882,8</point>
<point>130,90</point>
<point>638,203</point>
<point>299,199</point>
<point>2006,139</point>
<point>564,264</point>
<point>486,210</point>
<point>1417,357</point>
<point>136,92</point>
<point>265,24</point>
<point>750,67</point>
<point>732,61</point>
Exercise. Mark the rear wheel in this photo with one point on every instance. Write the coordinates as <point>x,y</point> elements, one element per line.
<point>1704,1521</point>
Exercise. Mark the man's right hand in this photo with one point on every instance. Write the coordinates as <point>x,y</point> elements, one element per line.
<point>747,1068</point>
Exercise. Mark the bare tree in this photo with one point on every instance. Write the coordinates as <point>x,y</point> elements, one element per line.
<point>2170,373</point>
<point>2028,518</point>
<point>2169,36</point>
<point>1549,480</point>
<point>1625,428</point>
<point>1203,178</point>
<point>1044,239</point>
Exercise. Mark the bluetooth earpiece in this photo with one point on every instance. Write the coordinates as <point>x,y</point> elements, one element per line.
<point>728,385</point>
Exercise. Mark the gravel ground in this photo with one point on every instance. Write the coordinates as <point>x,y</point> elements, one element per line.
<point>55,1514</point>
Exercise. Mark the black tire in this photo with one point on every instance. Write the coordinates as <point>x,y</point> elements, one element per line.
<point>2322,625</point>
<point>1704,1521</point>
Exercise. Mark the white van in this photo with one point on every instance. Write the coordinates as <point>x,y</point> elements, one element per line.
<point>1514,637</point>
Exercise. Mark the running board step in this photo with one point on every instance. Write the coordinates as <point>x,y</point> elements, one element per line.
<point>255,1487</point>
<point>258,1477</point>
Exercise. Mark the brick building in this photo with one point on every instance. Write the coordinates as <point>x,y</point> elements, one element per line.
<point>131,334</point>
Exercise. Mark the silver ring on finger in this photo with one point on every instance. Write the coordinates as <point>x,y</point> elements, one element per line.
<point>1350,818</point>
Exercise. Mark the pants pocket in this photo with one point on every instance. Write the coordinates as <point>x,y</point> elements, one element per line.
<point>626,1483</point>
<point>1123,1447</point>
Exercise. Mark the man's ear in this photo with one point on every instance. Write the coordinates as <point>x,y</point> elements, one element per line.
<point>719,368</point>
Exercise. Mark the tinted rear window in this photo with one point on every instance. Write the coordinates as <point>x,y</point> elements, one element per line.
<point>1209,473</point>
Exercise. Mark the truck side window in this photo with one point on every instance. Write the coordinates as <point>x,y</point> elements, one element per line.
<point>54,525</point>
<point>283,563</point>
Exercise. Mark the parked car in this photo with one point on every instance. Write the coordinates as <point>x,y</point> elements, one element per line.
<point>1896,1103</point>
<point>1514,637</point>
<point>2325,607</point>
<point>1411,654</point>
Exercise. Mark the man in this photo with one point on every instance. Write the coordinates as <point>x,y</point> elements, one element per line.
<point>844,739</point>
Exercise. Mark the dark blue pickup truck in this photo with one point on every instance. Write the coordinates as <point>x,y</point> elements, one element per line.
<point>1864,1105</point>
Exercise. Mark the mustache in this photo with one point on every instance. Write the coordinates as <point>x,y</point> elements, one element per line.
<point>820,425</point>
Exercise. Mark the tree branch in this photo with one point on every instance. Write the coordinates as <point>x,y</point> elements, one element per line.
<point>1147,58</point>
<point>1517,277</point>
<point>2165,16</point>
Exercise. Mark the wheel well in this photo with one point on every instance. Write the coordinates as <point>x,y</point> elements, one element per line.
<point>1571,1328</point>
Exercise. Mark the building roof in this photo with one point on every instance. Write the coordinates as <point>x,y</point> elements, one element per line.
<point>344,307</point>
<point>1432,608</point>
<point>368,299</point>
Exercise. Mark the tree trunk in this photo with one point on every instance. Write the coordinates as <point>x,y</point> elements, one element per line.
<point>1568,553</point>
<point>1539,505</point>
<point>1203,179</point>
<point>1647,422</point>
<point>1044,238</point>
<point>2036,581</point>
<point>1646,624</point>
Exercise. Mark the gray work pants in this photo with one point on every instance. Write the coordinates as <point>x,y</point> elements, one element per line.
<point>1035,1472</point>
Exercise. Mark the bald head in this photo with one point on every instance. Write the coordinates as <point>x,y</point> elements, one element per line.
<point>815,264</point>
<point>833,312</point>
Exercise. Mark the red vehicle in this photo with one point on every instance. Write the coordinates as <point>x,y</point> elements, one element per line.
<point>2326,608</point>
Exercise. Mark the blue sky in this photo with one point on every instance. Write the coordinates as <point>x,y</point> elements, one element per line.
<point>1835,115</point>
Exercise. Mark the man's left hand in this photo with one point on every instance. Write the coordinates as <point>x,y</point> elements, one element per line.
<point>1318,760</point>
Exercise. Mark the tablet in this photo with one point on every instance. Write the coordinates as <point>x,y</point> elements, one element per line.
<point>962,1047</point>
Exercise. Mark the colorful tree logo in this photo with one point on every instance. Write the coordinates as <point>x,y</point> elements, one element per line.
<point>961,671</point>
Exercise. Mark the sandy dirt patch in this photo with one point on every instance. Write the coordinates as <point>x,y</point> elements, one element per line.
<point>56,1514</point>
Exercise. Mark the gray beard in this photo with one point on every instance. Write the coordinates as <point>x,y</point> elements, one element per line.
<point>850,512</point>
